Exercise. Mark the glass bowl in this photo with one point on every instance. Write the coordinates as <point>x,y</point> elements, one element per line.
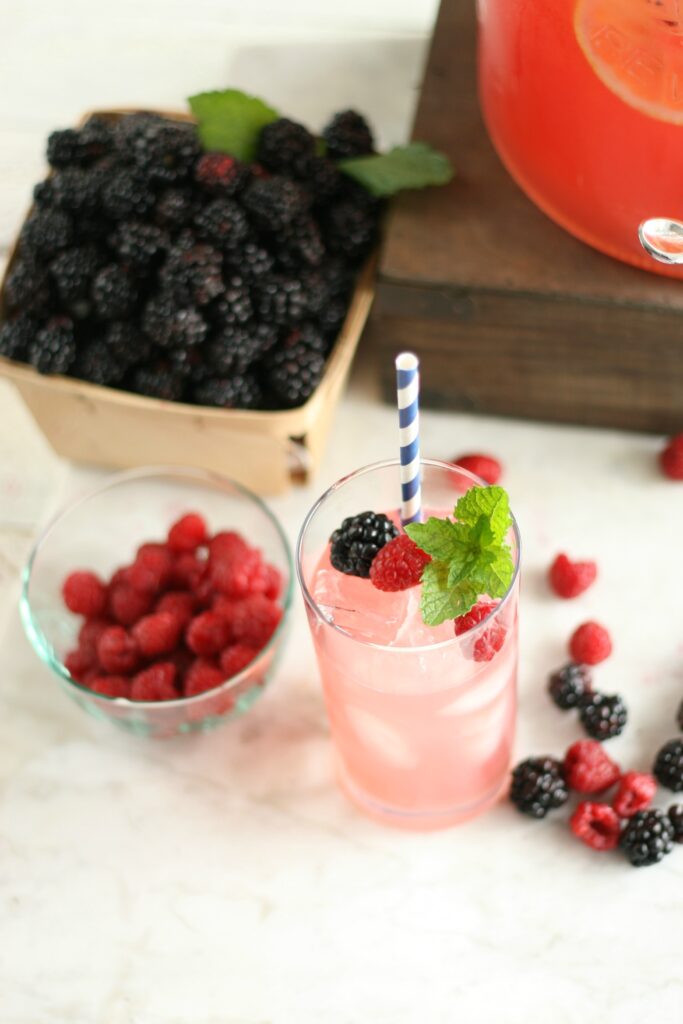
<point>102,531</point>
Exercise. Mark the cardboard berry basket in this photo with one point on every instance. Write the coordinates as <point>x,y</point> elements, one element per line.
<point>266,451</point>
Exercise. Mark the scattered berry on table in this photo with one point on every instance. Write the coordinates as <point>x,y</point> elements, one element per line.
<point>647,838</point>
<point>588,769</point>
<point>597,825</point>
<point>354,545</point>
<point>675,814</point>
<point>85,594</point>
<point>569,579</point>
<point>603,716</point>
<point>671,458</point>
<point>636,792</point>
<point>590,644</point>
<point>538,786</point>
<point>490,641</point>
<point>155,683</point>
<point>398,565</point>
<point>569,685</point>
<point>484,466</point>
<point>668,766</point>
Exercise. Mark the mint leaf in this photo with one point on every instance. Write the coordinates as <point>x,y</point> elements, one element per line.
<point>413,166</point>
<point>470,556</point>
<point>230,121</point>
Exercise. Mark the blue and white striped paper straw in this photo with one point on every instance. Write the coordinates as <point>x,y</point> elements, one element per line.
<point>408,390</point>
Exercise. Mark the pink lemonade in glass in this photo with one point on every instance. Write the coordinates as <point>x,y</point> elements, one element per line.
<point>422,729</point>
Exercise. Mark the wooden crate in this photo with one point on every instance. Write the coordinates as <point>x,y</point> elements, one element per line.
<point>509,313</point>
<point>266,451</point>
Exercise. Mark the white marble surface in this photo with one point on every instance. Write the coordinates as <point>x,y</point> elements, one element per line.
<point>223,879</point>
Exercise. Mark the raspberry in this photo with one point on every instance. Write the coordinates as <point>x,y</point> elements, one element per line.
<point>568,685</point>
<point>85,594</point>
<point>234,577</point>
<point>671,458</point>
<point>157,634</point>
<point>203,593</point>
<point>590,643</point>
<point>89,635</point>
<point>255,620</point>
<point>569,579</point>
<point>117,651</point>
<point>235,658</point>
<point>187,533</point>
<point>226,608</point>
<point>155,683</point>
<point>635,793</point>
<point>491,640</point>
<point>398,565</point>
<point>602,716</point>
<point>111,686</point>
<point>538,786</point>
<point>596,825</point>
<point>79,662</point>
<point>188,571</point>
<point>180,604</point>
<point>227,544</point>
<point>127,605</point>
<point>588,769</point>
<point>484,466</point>
<point>274,584</point>
<point>208,633</point>
<point>152,568</point>
<point>202,675</point>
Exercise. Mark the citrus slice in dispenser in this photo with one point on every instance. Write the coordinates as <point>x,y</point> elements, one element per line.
<point>635,47</point>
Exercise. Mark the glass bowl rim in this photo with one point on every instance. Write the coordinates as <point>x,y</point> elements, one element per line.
<point>454,641</point>
<point>37,637</point>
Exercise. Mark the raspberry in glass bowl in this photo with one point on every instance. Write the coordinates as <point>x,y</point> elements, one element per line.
<point>160,600</point>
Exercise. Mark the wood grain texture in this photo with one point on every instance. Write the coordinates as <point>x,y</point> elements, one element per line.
<point>509,313</point>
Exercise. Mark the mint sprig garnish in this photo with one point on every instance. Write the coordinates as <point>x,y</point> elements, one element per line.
<point>470,555</point>
<point>230,121</point>
<point>416,165</point>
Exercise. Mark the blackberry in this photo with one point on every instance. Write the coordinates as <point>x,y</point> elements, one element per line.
<point>191,363</point>
<point>568,685</point>
<point>647,838</point>
<point>281,300</point>
<point>27,286</point>
<point>332,318</point>
<point>113,292</point>
<point>240,391</point>
<point>252,262</point>
<point>234,306</point>
<point>165,151</point>
<point>16,336</point>
<point>80,145</point>
<point>46,232</point>
<point>668,767</point>
<point>237,349</point>
<point>175,208</point>
<point>538,786</point>
<point>221,174</point>
<point>140,247</point>
<point>275,203</point>
<point>75,190</point>
<point>350,230</point>
<point>173,327</point>
<point>127,344</point>
<point>159,381</point>
<point>602,716</point>
<point>293,373</point>
<point>301,245</point>
<point>222,223</point>
<point>679,716</point>
<point>73,270</point>
<point>309,335</point>
<point>285,146</point>
<point>192,273</point>
<point>675,813</point>
<point>322,179</point>
<point>356,542</point>
<point>348,134</point>
<point>127,195</point>
<point>96,363</point>
<point>327,283</point>
<point>53,347</point>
